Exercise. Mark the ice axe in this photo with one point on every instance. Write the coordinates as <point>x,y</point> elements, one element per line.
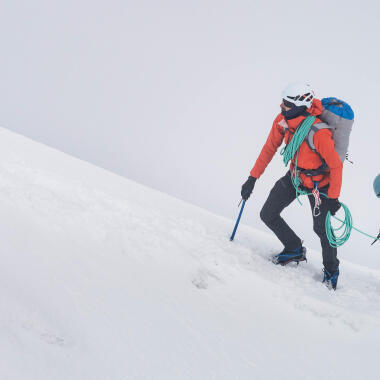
<point>238,219</point>
<point>378,238</point>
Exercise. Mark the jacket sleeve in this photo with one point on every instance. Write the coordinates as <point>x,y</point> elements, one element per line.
<point>324,144</point>
<point>269,149</point>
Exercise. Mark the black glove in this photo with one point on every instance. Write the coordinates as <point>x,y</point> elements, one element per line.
<point>333,205</point>
<point>246,189</point>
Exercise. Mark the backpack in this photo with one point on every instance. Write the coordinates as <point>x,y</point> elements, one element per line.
<point>338,116</point>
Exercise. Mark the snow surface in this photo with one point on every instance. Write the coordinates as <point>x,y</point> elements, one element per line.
<point>102,278</point>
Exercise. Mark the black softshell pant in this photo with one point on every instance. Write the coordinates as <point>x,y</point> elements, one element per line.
<point>281,196</point>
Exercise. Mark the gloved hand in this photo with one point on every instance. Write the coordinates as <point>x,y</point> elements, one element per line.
<point>333,205</point>
<point>247,188</point>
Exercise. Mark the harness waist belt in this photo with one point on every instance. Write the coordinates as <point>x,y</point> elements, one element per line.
<point>323,169</point>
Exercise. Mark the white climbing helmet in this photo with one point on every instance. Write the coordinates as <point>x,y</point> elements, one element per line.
<point>300,94</point>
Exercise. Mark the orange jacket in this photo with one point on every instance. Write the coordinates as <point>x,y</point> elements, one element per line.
<point>307,159</point>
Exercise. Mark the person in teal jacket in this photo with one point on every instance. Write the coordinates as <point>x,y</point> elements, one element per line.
<point>376,186</point>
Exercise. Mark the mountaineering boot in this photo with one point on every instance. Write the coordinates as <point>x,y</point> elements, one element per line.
<point>287,256</point>
<point>330,279</point>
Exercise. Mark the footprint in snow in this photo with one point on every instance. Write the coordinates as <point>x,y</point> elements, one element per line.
<point>203,277</point>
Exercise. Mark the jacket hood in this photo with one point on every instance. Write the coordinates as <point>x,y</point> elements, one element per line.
<point>316,108</point>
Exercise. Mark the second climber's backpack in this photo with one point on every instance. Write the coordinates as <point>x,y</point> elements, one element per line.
<point>338,116</point>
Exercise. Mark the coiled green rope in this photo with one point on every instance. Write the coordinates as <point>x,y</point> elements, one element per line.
<point>292,149</point>
<point>338,236</point>
<point>300,134</point>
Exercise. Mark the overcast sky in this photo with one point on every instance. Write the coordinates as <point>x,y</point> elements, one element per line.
<point>180,95</point>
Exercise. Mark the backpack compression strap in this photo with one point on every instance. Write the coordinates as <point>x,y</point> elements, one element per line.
<point>310,136</point>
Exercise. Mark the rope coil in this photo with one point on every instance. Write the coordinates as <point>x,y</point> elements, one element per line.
<point>338,236</point>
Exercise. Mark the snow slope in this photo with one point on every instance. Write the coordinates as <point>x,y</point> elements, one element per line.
<point>102,278</point>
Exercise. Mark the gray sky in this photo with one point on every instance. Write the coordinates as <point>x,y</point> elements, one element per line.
<point>181,95</point>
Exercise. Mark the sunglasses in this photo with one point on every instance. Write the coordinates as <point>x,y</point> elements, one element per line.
<point>287,103</point>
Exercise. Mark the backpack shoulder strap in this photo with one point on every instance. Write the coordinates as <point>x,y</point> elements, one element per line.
<point>313,129</point>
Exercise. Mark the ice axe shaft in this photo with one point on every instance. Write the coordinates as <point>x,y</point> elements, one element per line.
<point>238,220</point>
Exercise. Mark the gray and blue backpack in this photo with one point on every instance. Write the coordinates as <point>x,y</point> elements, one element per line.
<point>338,116</point>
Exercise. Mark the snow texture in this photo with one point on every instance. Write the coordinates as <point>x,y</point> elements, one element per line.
<point>102,278</point>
